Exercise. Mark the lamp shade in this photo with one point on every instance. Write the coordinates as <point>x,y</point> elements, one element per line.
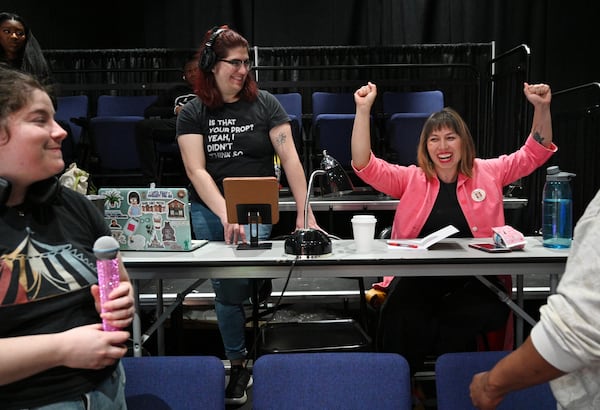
<point>312,242</point>
<point>336,181</point>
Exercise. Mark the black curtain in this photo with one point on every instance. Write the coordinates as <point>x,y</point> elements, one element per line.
<point>576,130</point>
<point>560,34</point>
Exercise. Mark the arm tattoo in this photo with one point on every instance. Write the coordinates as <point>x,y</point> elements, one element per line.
<point>538,137</point>
<point>280,139</point>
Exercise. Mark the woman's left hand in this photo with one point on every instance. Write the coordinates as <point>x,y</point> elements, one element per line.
<point>312,223</point>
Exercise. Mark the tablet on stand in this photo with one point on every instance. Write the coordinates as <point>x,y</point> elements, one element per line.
<point>252,201</point>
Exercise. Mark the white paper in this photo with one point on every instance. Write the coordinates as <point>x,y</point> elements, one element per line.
<point>422,243</point>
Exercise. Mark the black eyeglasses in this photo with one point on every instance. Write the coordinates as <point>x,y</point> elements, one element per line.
<point>237,63</point>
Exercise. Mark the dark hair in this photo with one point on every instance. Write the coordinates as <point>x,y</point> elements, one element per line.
<point>206,87</point>
<point>31,58</point>
<point>16,88</point>
<point>447,118</point>
<point>132,195</point>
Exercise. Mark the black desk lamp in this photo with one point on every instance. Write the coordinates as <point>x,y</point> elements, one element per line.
<point>310,242</point>
<point>337,182</point>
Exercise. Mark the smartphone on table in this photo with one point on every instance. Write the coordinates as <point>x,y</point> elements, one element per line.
<point>489,247</point>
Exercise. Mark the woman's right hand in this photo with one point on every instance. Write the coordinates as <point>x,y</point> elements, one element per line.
<point>364,97</point>
<point>360,144</point>
<point>90,347</point>
<point>233,233</point>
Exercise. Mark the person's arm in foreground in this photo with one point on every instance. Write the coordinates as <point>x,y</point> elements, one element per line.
<point>364,98</point>
<point>283,142</point>
<point>522,368</point>
<point>83,347</point>
<point>525,366</point>
<point>563,345</point>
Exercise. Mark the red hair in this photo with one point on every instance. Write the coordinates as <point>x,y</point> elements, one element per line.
<point>206,86</point>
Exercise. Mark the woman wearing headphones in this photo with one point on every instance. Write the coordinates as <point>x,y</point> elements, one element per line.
<point>233,129</point>
<point>52,347</point>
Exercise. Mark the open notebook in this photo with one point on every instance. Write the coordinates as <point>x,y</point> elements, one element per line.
<point>149,219</point>
<point>422,243</point>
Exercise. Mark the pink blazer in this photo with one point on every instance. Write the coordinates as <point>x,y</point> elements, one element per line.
<point>480,197</point>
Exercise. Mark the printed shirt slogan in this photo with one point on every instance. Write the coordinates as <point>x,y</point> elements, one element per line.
<point>221,137</point>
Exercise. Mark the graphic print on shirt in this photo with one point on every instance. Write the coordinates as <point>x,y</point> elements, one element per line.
<point>181,100</point>
<point>220,141</point>
<point>35,270</point>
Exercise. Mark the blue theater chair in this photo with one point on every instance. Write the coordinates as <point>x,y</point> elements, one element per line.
<point>174,382</point>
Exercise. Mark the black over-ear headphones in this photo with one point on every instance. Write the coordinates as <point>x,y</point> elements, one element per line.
<point>208,59</point>
<point>41,192</point>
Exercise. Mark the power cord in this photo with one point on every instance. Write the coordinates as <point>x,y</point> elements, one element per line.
<point>274,308</point>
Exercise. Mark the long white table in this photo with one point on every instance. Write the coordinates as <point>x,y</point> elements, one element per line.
<point>374,202</point>
<point>451,257</point>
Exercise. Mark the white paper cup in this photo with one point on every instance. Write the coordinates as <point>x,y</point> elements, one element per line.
<point>363,229</point>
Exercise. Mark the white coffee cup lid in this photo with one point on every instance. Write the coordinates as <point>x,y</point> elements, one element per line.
<point>363,218</point>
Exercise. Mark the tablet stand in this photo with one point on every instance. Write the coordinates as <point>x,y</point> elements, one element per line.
<point>253,218</point>
<point>252,201</point>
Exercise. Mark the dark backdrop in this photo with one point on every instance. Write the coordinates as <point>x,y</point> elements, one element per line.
<point>561,34</point>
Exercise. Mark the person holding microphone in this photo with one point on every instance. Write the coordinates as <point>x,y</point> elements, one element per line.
<point>52,347</point>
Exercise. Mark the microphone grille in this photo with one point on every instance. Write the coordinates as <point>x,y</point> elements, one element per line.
<point>106,247</point>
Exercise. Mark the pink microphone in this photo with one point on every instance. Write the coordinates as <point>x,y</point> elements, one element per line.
<point>107,265</point>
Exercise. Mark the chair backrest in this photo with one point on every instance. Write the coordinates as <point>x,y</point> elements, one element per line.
<point>114,141</point>
<point>332,103</point>
<point>72,106</point>
<point>412,101</point>
<point>333,119</point>
<point>453,375</point>
<point>125,105</point>
<point>403,133</point>
<point>174,382</point>
<point>333,133</point>
<point>328,380</point>
<point>292,104</point>
<point>113,130</point>
<point>406,113</point>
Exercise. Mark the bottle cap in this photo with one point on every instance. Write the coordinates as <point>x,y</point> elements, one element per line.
<point>554,173</point>
<point>363,219</point>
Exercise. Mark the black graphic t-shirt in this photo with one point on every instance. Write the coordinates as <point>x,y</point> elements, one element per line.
<point>46,269</point>
<point>236,136</point>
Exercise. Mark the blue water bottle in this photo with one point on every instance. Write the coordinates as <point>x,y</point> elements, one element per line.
<point>557,211</point>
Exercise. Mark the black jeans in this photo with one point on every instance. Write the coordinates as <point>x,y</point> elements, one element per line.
<point>434,315</point>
